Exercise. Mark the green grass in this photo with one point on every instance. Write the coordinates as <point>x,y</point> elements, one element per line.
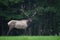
<point>29,37</point>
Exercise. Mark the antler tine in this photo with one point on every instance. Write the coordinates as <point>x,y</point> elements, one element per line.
<point>24,12</point>
<point>35,12</point>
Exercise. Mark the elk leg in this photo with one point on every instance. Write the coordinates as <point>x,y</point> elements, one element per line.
<point>29,31</point>
<point>9,30</point>
<point>25,31</point>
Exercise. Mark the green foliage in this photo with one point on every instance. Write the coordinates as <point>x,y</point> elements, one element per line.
<point>43,7</point>
<point>42,10</point>
<point>6,2</point>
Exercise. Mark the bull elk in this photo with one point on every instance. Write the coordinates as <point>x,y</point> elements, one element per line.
<point>20,24</point>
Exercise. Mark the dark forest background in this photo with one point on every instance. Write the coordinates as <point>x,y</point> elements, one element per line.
<point>46,24</point>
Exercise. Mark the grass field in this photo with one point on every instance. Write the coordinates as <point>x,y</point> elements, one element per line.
<point>29,37</point>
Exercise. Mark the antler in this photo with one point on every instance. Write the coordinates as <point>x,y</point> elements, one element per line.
<point>24,12</point>
<point>35,12</point>
<point>22,9</point>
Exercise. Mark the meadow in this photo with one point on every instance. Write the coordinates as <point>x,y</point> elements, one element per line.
<point>29,37</point>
